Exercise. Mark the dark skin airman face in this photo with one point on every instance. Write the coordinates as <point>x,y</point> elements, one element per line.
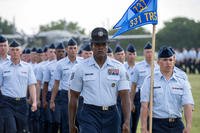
<point>60,53</point>
<point>99,50</point>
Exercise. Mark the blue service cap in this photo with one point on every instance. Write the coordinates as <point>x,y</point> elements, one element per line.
<point>87,47</point>
<point>14,44</point>
<point>52,46</point>
<point>109,50</point>
<point>24,51</point>
<point>171,49</point>
<point>65,43</point>
<point>71,42</point>
<point>165,52</point>
<point>60,46</point>
<point>45,49</point>
<point>130,48</point>
<point>39,51</point>
<point>27,51</point>
<point>99,35</point>
<point>2,39</point>
<point>79,52</point>
<point>118,48</point>
<point>34,50</point>
<point>148,46</point>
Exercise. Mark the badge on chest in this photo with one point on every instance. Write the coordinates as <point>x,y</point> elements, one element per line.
<point>113,71</point>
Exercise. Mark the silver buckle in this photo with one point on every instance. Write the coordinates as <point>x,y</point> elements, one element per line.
<point>171,119</point>
<point>105,108</point>
<point>17,99</point>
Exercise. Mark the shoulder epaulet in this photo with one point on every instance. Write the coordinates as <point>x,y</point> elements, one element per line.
<point>180,77</point>
<point>115,61</point>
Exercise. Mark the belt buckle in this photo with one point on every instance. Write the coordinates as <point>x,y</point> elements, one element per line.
<point>171,119</point>
<point>104,108</point>
<point>17,99</point>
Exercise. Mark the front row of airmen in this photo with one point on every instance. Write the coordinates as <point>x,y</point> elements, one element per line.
<point>94,93</point>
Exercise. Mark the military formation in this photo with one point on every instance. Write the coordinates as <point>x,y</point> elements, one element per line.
<point>188,60</point>
<point>97,89</point>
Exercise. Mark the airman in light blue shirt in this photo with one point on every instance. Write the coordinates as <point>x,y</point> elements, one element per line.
<point>15,78</point>
<point>95,83</point>
<point>63,71</point>
<point>99,79</point>
<point>49,74</point>
<point>170,94</point>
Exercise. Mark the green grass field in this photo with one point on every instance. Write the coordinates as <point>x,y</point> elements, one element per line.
<point>195,83</point>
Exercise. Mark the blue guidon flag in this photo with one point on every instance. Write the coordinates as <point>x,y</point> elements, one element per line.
<point>139,13</point>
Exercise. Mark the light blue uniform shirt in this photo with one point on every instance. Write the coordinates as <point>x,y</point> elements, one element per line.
<point>14,79</point>
<point>180,73</point>
<point>141,70</point>
<point>40,71</point>
<point>99,86</point>
<point>34,66</point>
<point>129,70</point>
<point>169,96</point>
<point>63,71</point>
<point>49,74</point>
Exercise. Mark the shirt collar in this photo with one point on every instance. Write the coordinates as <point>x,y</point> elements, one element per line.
<point>107,62</point>
<point>68,61</point>
<point>172,77</point>
<point>146,64</point>
<point>7,57</point>
<point>20,63</point>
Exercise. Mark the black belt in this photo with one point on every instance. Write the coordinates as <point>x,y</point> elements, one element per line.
<point>170,120</point>
<point>14,99</point>
<point>101,108</point>
<point>64,91</point>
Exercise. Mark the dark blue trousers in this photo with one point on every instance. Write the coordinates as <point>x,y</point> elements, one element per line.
<point>164,126</point>
<point>63,103</point>
<point>93,119</point>
<point>80,107</point>
<point>121,116</point>
<point>136,115</point>
<point>34,120</point>
<point>14,114</point>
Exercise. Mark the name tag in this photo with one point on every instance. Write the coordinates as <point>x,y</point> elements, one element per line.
<point>156,87</point>
<point>87,74</point>
<point>23,72</point>
<point>6,72</point>
<point>65,69</point>
<point>177,90</point>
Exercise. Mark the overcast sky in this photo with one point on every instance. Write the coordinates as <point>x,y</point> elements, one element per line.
<point>29,14</point>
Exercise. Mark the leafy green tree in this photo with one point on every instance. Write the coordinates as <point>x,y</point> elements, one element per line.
<point>180,32</point>
<point>6,27</point>
<point>62,25</point>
